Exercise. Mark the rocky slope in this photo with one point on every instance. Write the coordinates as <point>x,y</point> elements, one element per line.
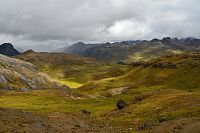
<point>17,74</point>
<point>8,49</point>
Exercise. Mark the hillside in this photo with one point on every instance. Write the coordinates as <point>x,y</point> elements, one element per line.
<point>128,51</point>
<point>163,92</point>
<point>173,71</point>
<point>159,95</point>
<point>8,49</point>
<point>70,69</point>
<point>16,74</point>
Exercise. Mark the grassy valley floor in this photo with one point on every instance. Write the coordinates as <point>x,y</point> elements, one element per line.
<point>162,95</point>
<point>148,108</point>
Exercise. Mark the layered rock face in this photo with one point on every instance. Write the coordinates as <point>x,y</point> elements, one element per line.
<point>17,74</point>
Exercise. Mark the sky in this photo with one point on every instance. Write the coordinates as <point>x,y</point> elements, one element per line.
<point>49,24</point>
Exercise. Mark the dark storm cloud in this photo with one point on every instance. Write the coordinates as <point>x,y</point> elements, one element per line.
<point>34,21</point>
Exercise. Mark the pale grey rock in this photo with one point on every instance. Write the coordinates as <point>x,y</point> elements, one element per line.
<point>3,80</point>
<point>117,91</point>
<point>24,89</point>
<point>14,72</point>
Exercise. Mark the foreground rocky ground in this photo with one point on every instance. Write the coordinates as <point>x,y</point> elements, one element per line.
<point>20,121</point>
<point>156,111</point>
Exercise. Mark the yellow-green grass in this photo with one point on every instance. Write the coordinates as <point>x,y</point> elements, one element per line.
<point>165,90</point>
<point>71,84</point>
<point>51,100</point>
<point>70,67</point>
<point>82,73</point>
<point>155,105</point>
<point>43,103</point>
<point>185,76</point>
<point>56,74</point>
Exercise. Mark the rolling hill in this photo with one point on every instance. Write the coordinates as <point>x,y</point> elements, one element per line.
<point>163,92</point>
<point>70,69</point>
<point>173,71</point>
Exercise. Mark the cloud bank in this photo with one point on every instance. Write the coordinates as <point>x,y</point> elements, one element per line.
<point>47,22</point>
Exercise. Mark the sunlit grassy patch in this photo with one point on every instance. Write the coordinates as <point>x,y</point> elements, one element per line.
<point>39,102</point>
<point>71,84</point>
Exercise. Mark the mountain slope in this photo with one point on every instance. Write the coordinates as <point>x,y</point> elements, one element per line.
<point>174,71</point>
<point>17,74</point>
<point>69,69</point>
<point>8,49</point>
<point>128,51</point>
<point>162,94</point>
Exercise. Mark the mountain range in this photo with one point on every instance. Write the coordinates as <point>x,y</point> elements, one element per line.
<point>134,50</point>
<point>129,86</point>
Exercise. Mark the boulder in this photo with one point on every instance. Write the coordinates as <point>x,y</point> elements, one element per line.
<point>85,112</point>
<point>117,91</point>
<point>121,104</point>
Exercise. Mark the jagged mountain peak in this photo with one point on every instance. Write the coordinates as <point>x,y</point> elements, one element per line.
<point>8,49</point>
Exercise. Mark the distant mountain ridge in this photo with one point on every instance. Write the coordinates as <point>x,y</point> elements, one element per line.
<point>134,50</point>
<point>8,49</point>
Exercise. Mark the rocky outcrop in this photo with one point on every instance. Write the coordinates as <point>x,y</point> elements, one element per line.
<point>164,65</point>
<point>117,91</point>
<point>8,49</point>
<point>3,79</point>
<point>17,74</point>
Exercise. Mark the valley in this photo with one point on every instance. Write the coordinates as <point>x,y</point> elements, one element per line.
<point>85,94</point>
<point>99,66</point>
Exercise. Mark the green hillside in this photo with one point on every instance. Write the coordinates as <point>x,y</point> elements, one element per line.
<point>161,94</point>
<point>173,71</point>
<point>69,69</point>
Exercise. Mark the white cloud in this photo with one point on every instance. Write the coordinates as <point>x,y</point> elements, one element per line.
<point>126,29</point>
<point>97,20</point>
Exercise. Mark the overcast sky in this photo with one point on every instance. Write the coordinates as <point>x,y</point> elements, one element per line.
<point>52,23</point>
